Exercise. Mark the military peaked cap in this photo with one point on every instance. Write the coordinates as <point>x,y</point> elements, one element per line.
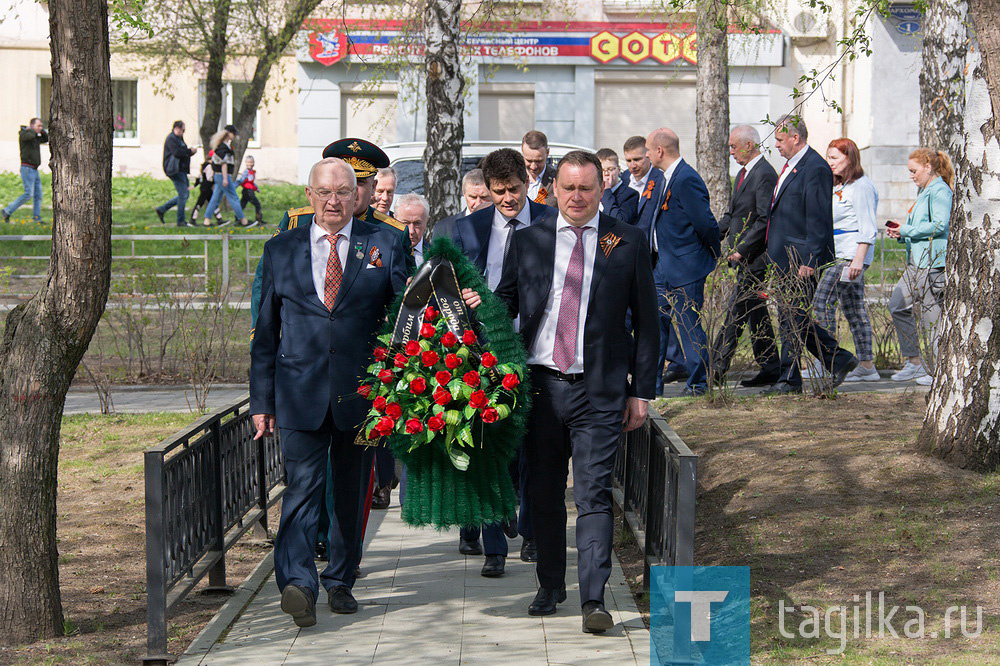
<point>364,156</point>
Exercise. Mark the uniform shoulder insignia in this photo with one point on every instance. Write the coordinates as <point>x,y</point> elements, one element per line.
<point>305,210</point>
<point>391,221</point>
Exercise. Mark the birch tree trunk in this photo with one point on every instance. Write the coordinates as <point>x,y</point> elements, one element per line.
<point>962,424</point>
<point>445,107</point>
<point>45,338</point>
<point>942,74</point>
<point>713,102</point>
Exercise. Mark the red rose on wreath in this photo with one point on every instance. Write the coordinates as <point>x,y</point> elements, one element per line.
<point>412,348</point>
<point>441,396</point>
<point>385,426</point>
<point>418,386</point>
<point>381,353</point>
<point>452,361</point>
<point>488,360</point>
<point>413,426</point>
<point>428,330</point>
<point>373,434</point>
<point>471,378</point>
<point>430,314</point>
<point>429,358</point>
<point>399,361</point>
<point>379,404</point>
<point>364,390</point>
<point>478,399</point>
<point>442,377</point>
<point>436,423</point>
<point>489,415</point>
<point>469,338</point>
<point>385,376</point>
<point>393,410</point>
<point>510,381</point>
<point>449,339</point>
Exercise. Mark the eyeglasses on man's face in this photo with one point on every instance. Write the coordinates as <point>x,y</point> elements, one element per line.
<point>326,195</point>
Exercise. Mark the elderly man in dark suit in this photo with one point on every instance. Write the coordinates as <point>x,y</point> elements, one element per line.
<point>619,200</point>
<point>744,225</point>
<point>685,242</point>
<point>799,240</point>
<point>476,196</point>
<point>571,279</point>
<point>485,237</point>
<point>325,289</point>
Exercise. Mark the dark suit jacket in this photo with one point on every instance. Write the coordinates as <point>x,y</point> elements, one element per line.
<point>644,212</point>
<point>622,203</point>
<point>306,359</point>
<point>745,222</point>
<point>445,227</point>
<point>687,235</point>
<point>801,221</point>
<point>622,281</point>
<point>472,232</point>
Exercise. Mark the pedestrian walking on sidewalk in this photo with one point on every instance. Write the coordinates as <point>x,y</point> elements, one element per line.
<point>29,139</point>
<point>176,166</point>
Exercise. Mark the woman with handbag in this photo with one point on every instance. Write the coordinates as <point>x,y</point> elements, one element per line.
<point>916,300</point>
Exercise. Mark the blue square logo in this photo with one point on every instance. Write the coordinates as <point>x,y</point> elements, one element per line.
<point>700,615</point>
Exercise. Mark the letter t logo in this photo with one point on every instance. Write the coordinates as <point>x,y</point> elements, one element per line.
<point>701,610</point>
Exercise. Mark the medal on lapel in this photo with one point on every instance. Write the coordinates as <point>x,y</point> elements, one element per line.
<point>608,242</point>
<point>666,200</point>
<point>359,250</point>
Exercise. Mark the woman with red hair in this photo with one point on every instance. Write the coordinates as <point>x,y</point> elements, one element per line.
<point>855,201</point>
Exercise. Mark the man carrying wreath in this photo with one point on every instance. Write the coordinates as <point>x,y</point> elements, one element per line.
<point>571,280</point>
<point>324,293</point>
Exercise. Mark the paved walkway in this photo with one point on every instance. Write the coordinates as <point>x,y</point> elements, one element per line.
<point>421,602</point>
<point>140,399</point>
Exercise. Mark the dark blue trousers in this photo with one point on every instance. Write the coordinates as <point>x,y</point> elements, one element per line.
<point>306,455</point>
<point>494,540</point>
<point>679,308</point>
<point>563,426</point>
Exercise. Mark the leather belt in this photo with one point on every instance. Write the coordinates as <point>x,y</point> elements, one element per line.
<point>561,376</point>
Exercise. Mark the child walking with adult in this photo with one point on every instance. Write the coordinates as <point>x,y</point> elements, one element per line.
<point>223,166</point>
<point>248,181</point>
<point>855,200</point>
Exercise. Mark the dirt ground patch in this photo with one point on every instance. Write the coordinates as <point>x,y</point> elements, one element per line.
<point>828,499</point>
<point>102,547</point>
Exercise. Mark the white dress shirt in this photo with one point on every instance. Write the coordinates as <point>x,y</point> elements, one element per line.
<point>787,171</point>
<point>535,185</point>
<point>748,167</point>
<point>544,344</point>
<point>498,241</point>
<point>639,185</point>
<point>319,254</point>
<point>418,252</point>
<point>667,175</point>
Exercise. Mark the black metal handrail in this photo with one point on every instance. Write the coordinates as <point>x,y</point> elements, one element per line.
<point>654,484</point>
<point>206,486</point>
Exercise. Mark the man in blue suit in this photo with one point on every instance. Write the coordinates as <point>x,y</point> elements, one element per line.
<point>619,200</point>
<point>685,241</point>
<point>325,289</point>
<point>484,237</point>
<point>799,240</point>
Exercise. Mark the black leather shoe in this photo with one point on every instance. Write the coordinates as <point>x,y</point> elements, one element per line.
<point>760,379</point>
<point>841,372</point>
<point>358,573</point>
<point>782,388</point>
<point>529,551</point>
<point>321,552</point>
<point>596,620</point>
<point>299,603</point>
<point>342,601</point>
<point>694,392</point>
<point>380,498</point>
<point>494,566</point>
<point>159,214</point>
<point>509,528</point>
<point>469,547</point>
<point>546,600</point>
<point>674,376</point>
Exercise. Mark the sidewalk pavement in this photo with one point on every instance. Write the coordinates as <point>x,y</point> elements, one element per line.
<point>421,602</point>
<point>141,399</point>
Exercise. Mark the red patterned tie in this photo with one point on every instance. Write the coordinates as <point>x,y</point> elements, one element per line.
<point>334,273</point>
<point>567,325</point>
<point>774,196</point>
<point>739,178</point>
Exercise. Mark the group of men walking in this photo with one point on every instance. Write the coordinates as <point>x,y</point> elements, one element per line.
<point>604,277</point>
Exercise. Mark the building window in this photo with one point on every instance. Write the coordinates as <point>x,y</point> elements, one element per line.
<point>125,109</point>
<point>44,98</point>
<point>232,96</point>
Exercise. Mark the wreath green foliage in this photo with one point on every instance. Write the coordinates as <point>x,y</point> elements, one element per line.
<point>437,493</point>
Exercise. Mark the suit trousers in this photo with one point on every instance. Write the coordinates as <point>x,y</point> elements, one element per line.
<point>494,539</point>
<point>746,307</point>
<point>307,454</point>
<point>563,426</point>
<point>798,330</point>
<point>679,308</point>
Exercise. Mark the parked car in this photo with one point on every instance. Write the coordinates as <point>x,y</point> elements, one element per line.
<point>408,159</point>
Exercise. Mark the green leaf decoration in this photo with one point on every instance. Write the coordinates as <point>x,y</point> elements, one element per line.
<point>469,412</point>
<point>503,411</point>
<point>453,417</point>
<point>459,460</point>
